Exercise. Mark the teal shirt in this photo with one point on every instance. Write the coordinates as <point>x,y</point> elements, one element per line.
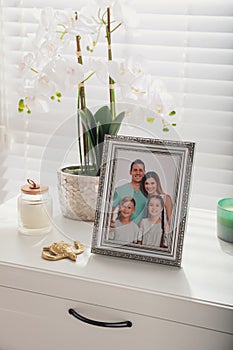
<point>140,199</point>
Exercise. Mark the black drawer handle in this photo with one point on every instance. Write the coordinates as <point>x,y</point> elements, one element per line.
<point>99,323</point>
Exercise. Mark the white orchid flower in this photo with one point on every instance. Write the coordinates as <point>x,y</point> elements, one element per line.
<point>52,73</point>
<point>74,72</point>
<point>120,73</point>
<point>160,100</point>
<point>38,92</point>
<point>167,104</point>
<point>47,27</point>
<point>148,92</point>
<point>65,72</point>
<point>134,66</point>
<point>35,100</point>
<point>76,23</point>
<point>44,85</point>
<point>100,68</point>
<point>124,72</point>
<point>146,88</point>
<point>138,90</point>
<point>48,49</point>
<point>26,62</point>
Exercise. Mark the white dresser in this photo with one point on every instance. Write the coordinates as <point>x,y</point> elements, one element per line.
<point>170,308</point>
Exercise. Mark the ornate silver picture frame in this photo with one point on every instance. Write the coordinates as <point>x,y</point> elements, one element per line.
<point>143,198</point>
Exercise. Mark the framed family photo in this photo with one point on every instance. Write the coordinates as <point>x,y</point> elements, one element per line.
<point>143,197</point>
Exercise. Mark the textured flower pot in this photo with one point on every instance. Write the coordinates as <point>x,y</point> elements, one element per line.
<point>78,195</point>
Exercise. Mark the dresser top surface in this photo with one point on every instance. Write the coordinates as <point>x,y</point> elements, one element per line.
<point>205,273</point>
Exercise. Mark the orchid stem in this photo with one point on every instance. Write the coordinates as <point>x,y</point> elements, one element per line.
<point>81,86</point>
<point>111,81</point>
<point>81,104</point>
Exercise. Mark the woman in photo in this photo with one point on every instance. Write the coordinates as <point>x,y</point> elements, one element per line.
<point>150,186</point>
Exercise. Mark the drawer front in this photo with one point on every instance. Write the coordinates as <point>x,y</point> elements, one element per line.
<point>35,321</point>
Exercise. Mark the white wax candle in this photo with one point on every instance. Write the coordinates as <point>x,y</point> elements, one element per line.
<point>35,215</point>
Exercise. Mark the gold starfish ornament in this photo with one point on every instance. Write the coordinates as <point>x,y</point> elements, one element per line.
<point>62,250</point>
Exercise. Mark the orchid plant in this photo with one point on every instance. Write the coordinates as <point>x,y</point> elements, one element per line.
<point>48,72</point>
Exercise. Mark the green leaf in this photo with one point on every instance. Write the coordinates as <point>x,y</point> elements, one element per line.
<point>89,124</point>
<point>89,136</point>
<point>115,126</point>
<point>103,118</point>
<point>103,115</point>
<point>96,127</point>
<point>87,117</point>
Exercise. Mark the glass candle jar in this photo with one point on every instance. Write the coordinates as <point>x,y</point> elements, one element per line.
<point>34,209</point>
<point>225,219</point>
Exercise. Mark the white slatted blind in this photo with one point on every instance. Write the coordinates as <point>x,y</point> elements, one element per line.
<point>188,44</point>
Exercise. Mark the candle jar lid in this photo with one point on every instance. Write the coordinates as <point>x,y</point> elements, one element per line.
<point>33,188</point>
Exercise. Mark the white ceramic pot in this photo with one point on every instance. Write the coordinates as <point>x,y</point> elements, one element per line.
<point>78,195</point>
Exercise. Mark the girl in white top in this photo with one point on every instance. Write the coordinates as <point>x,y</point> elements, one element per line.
<point>152,228</point>
<point>125,229</point>
<point>150,186</point>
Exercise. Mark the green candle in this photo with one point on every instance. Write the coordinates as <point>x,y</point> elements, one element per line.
<point>225,219</point>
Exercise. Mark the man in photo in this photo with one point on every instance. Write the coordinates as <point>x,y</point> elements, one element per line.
<point>132,189</point>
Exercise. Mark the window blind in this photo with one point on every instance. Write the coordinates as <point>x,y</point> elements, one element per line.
<point>187,44</point>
